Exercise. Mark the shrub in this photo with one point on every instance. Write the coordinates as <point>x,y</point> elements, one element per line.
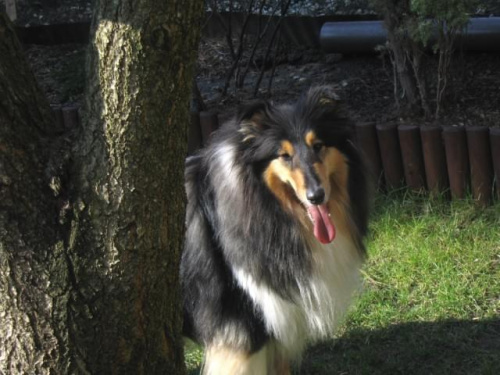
<point>414,26</point>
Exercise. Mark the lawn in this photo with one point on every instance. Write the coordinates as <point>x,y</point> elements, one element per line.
<point>431,297</point>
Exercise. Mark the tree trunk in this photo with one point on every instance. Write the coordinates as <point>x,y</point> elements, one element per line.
<point>128,230</point>
<point>33,269</point>
<point>96,293</point>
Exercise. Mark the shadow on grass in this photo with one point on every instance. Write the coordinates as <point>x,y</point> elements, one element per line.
<point>446,347</point>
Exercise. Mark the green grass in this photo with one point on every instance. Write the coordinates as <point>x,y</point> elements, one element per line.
<point>431,298</point>
<point>193,357</point>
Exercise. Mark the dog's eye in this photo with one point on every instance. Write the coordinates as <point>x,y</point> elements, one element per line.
<point>317,147</point>
<point>285,157</point>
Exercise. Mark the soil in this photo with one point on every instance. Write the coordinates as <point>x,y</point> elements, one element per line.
<point>363,81</point>
<point>45,12</point>
<point>49,12</point>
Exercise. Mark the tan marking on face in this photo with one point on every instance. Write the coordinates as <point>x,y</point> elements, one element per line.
<point>299,183</point>
<point>338,202</point>
<point>288,186</point>
<point>280,170</point>
<point>337,170</point>
<point>286,148</point>
<point>310,138</point>
<point>282,180</point>
<point>275,177</point>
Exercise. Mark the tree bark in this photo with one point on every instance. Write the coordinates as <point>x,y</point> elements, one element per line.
<point>95,291</point>
<point>128,231</point>
<point>33,268</point>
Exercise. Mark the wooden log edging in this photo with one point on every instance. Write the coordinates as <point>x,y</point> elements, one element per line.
<point>436,172</point>
<point>481,169</point>
<point>495,153</point>
<point>367,140</point>
<point>413,160</point>
<point>457,160</point>
<point>447,158</point>
<point>390,154</point>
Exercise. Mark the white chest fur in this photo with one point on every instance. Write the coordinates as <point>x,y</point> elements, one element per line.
<point>320,302</point>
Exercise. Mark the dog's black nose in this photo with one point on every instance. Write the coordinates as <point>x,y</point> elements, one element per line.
<point>316,196</point>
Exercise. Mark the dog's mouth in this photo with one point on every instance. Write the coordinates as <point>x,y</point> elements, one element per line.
<point>323,227</point>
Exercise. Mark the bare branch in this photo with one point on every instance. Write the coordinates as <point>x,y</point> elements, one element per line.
<point>273,36</point>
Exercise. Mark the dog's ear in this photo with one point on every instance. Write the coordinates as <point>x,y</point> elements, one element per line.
<point>323,107</point>
<point>321,102</point>
<point>252,119</point>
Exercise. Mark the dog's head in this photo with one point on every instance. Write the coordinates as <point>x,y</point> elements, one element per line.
<point>303,153</point>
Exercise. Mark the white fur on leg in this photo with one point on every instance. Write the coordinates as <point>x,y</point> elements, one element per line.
<point>221,360</point>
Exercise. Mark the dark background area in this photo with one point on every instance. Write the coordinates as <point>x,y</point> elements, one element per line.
<point>363,81</point>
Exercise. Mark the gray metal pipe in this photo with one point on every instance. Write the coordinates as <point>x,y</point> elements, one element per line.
<point>482,34</point>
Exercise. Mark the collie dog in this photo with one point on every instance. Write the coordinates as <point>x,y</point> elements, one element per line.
<point>276,215</point>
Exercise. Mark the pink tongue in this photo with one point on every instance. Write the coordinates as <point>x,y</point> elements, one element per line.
<point>323,226</point>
